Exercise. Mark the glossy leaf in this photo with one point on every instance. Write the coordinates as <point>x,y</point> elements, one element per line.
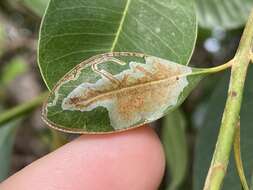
<point>175,146</point>
<point>95,98</point>
<point>225,14</point>
<point>75,30</point>
<point>7,136</point>
<point>208,136</point>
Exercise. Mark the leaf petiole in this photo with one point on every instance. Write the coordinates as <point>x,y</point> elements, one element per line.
<point>221,67</point>
<point>211,70</point>
<point>238,158</point>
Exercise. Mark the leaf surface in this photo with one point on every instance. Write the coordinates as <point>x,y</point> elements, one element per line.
<point>175,147</point>
<point>75,30</point>
<point>7,136</point>
<point>225,14</point>
<point>95,97</point>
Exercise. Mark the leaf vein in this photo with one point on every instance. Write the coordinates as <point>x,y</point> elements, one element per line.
<point>88,7</point>
<point>159,12</point>
<point>120,25</point>
<point>155,35</point>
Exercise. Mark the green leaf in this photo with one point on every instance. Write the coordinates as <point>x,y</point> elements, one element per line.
<point>12,70</point>
<point>225,14</point>
<point>75,30</point>
<point>37,6</point>
<point>115,92</point>
<point>3,37</point>
<point>7,137</point>
<point>208,135</point>
<point>175,147</point>
<point>251,183</point>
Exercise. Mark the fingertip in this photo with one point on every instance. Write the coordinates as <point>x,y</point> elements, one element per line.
<point>129,160</point>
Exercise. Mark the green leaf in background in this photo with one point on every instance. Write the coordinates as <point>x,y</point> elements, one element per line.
<point>7,136</point>
<point>14,68</point>
<point>10,72</point>
<point>209,131</point>
<point>251,183</point>
<point>175,146</point>
<point>37,6</point>
<point>225,14</point>
<point>3,36</point>
<point>75,30</point>
<point>95,98</point>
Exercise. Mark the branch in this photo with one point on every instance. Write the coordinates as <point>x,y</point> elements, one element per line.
<point>22,109</point>
<point>232,109</point>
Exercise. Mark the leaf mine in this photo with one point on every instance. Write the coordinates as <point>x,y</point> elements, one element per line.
<point>140,94</point>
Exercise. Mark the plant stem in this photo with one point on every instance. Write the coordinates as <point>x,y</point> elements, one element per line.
<point>231,113</point>
<point>22,109</point>
<point>238,158</point>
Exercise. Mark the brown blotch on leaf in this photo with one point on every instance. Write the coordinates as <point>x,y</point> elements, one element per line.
<point>133,96</point>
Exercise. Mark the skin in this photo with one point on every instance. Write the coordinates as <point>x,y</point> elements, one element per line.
<point>129,160</point>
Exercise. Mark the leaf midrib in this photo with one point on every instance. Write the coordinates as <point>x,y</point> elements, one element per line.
<point>115,41</point>
<point>138,85</point>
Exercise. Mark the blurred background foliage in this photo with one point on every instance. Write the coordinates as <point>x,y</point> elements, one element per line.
<point>188,134</point>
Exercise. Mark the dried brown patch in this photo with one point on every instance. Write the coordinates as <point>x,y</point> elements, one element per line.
<point>157,86</point>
